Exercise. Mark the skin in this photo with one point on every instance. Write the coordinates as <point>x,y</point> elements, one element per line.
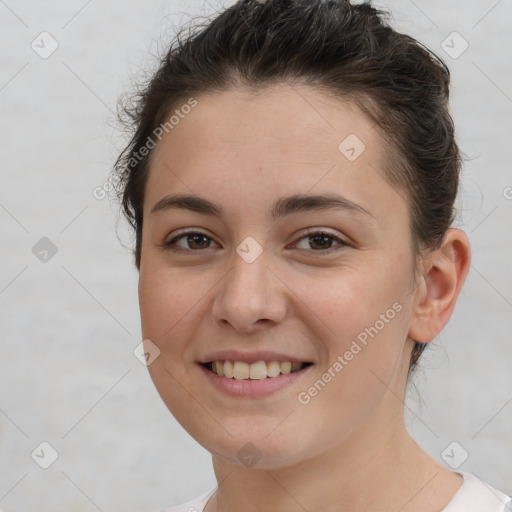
<point>348,448</point>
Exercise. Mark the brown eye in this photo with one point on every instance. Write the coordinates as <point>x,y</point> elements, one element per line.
<point>320,241</point>
<point>193,241</point>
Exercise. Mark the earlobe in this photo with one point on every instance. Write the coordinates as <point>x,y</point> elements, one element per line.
<point>441,282</point>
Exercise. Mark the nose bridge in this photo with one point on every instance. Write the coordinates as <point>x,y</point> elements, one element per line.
<point>247,281</point>
<point>248,292</point>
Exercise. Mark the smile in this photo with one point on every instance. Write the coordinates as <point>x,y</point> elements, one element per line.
<point>259,370</point>
<point>242,379</point>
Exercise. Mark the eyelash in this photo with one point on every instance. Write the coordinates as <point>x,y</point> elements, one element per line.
<point>312,234</point>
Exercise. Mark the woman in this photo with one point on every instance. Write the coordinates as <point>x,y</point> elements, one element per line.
<point>291,183</point>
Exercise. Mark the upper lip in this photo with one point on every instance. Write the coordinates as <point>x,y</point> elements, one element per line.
<point>250,357</point>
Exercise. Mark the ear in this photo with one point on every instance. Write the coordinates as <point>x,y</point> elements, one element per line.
<point>444,272</point>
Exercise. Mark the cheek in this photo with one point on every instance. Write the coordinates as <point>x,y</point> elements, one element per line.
<point>168,304</point>
<point>352,301</point>
<point>363,361</point>
<point>168,298</point>
<point>367,318</point>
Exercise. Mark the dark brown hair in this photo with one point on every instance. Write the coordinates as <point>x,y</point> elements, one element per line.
<point>347,50</point>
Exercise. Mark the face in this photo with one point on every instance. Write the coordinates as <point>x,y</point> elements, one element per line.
<point>247,275</point>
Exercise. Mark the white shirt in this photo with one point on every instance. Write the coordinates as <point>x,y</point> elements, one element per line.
<point>474,495</point>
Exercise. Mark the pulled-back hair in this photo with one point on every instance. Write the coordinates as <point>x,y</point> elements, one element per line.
<point>341,49</point>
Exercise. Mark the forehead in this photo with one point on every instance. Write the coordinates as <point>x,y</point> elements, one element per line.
<point>282,119</point>
<point>250,146</point>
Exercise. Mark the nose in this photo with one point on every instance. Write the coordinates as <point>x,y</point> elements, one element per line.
<point>250,297</point>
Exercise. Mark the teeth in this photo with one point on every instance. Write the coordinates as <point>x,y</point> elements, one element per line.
<point>228,369</point>
<point>255,371</point>
<point>258,370</point>
<point>296,366</point>
<point>273,369</point>
<point>240,370</point>
<point>286,367</point>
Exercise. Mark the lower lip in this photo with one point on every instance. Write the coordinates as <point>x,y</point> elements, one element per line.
<point>253,388</point>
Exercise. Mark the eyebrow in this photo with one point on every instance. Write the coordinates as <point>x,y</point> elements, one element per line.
<point>281,208</point>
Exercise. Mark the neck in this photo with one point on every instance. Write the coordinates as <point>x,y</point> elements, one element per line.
<point>373,470</point>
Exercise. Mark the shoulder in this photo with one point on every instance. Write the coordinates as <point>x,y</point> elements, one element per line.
<point>195,505</point>
<point>477,496</point>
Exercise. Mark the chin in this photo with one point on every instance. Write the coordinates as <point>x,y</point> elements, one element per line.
<point>252,446</point>
<point>257,455</point>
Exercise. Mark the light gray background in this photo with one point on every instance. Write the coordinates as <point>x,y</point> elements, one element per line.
<point>68,326</point>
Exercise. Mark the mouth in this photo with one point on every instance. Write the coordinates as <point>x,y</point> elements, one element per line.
<point>260,370</point>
